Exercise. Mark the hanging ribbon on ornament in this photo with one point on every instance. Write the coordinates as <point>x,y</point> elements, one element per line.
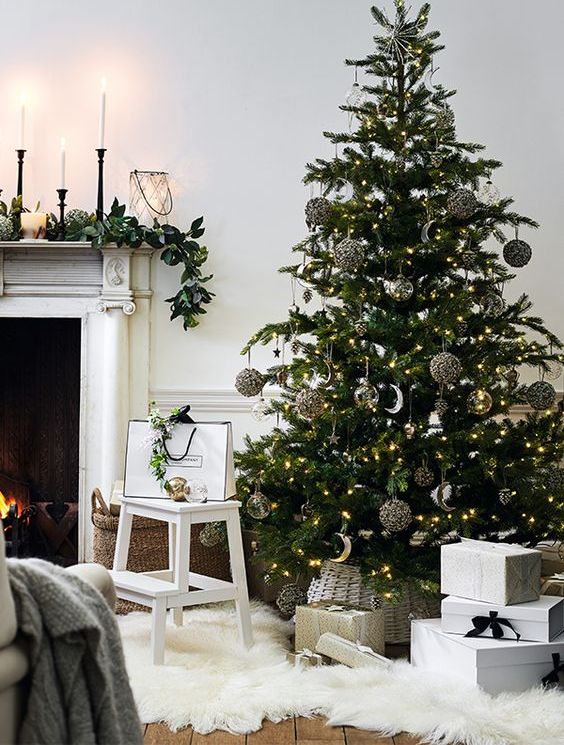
<point>493,622</point>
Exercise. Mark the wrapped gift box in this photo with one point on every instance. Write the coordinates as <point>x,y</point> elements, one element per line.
<point>495,665</point>
<point>552,561</point>
<point>541,620</point>
<point>363,626</point>
<point>349,653</point>
<point>304,658</point>
<point>499,573</point>
<point>553,585</point>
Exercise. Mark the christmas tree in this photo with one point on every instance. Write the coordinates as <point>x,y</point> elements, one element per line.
<point>393,432</point>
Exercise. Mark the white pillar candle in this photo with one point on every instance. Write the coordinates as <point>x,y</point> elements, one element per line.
<point>21,145</point>
<point>63,162</point>
<point>102,127</point>
<point>34,225</point>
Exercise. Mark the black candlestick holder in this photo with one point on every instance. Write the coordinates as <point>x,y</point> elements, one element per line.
<point>100,203</point>
<point>61,232</point>
<point>21,154</point>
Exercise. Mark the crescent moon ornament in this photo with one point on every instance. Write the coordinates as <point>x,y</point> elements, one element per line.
<point>442,495</point>
<point>347,548</point>
<point>330,379</point>
<point>428,79</point>
<point>399,400</point>
<point>425,231</point>
<point>302,273</point>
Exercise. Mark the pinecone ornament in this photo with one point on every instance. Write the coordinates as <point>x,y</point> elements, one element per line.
<point>423,476</point>
<point>441,407</point>
<point>310,403</point>
<point>317,212</point>
<point>295,346</point>
<point>361,327</point>
<point>6,228</point>
<point>517,253</point>
<point>75,221</point>
<point>289,597</point>
<point>249,382</point>
<point>505,496</point>
<point>540,395</point>
<point>395,515</point>
<point>307,296</point>
<point>445,368</point>
<point>462,204</point>
<point>349,255</point>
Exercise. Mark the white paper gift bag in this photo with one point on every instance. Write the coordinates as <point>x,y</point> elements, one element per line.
<point>200,451</point>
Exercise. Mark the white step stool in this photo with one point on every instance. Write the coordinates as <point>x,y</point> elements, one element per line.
<point>173,588</point>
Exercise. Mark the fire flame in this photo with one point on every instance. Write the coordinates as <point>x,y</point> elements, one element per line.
<point>5,504</point>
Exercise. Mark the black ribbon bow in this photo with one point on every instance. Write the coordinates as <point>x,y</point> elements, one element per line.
<point>553,677</point>
<point>482,623</point>
<point>182,417</point>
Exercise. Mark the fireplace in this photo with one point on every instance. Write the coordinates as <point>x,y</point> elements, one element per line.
<point>15,516</point>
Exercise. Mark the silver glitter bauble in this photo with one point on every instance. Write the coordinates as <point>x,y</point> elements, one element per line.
<point>492,304</point>
<point>399,289</point>
<point>307,296</point>
<point>540,395</point>
<point>75,221</point>
<point>366,395</point>
<point>488,194</point>
<point>213,534</point>
<point>310,403</point>
<point>505,496</point>
<point>261,411</point>
<point>479,402</point>
<point>356,96</point>
<point>249,382</point>
<point>395,515</point>
<point>553,479</point>
<point>441,407</point>
<point>289,597</point>
<point>6,228</point>
<point>553,370</point>
<point>462,204</point>
<point>258,506</point>
<point>444,119</point>
<point>317,212</point>
<point>423,476</point>
<point>517,253</point>
<point>445,368</point>
<point>349,255</point>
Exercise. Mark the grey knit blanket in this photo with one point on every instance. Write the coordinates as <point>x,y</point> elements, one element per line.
<point>79,692</point>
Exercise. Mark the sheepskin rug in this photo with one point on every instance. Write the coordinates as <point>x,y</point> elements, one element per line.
<point>210,682</point>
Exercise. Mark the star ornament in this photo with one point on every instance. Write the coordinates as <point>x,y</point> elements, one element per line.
<point>400,35</point>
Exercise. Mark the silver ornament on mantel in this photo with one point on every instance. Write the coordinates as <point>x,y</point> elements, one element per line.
<point>540,395</point>
<point>462,204</point>
<point>310,403</point>
<point>517,253</point>
<point>400,288</point>
<point>349,255</point>
<point>249,382</point>
<point>289,597</point>
<point>318,212</point>
<point>445,368</point>
<point>6,228</point>
<point>395,515</point>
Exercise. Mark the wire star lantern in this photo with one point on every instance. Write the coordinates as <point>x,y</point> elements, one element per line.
<point>401,34</point>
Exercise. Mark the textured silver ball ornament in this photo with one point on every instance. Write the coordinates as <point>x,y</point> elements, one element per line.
<point>349,255</point>
<point>553,478</point>
<point>310,403</point>
<point>517,253</point>
<point>289,597</point>
<point>317,212</point>
<point>400,289</point>
<point>540,395</point>
<point>76,220</point>
<point>423,476</point>
<point>213,534</point>
<point>462,204</point>
<point>492,304</point>
<point>445,368</point>
<point>395,515</point>
<point>6,228</point>
<point>249,382</point>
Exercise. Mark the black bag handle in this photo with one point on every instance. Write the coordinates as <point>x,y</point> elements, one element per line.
<point>181,457</point>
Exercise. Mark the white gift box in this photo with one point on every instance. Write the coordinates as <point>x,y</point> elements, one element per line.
<point>499,573</point>
<point>495,665</point>
<point>541,620</point>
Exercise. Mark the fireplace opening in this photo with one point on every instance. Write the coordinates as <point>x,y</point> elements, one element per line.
<point>39,436</point>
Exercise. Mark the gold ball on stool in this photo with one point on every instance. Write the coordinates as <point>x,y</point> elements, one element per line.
<point>177,488</point>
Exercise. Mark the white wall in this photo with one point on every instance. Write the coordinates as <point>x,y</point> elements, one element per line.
<point>231,98</point>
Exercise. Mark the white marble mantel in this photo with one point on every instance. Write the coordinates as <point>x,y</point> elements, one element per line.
<point>109,290</point>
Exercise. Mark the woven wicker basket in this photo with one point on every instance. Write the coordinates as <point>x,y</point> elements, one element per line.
<point>148,547</point>
<point>343,583</point>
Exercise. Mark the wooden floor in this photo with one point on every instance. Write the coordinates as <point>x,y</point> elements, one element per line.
<point>288,732</point>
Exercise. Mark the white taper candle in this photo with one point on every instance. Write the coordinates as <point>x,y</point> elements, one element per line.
<point>102,127</point>
<point>63,162</point>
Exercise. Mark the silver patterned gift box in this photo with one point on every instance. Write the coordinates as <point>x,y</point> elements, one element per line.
<point>354,624</point>
<point>349,653</point>
<point>304,658</point>
<point>499,573</point>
